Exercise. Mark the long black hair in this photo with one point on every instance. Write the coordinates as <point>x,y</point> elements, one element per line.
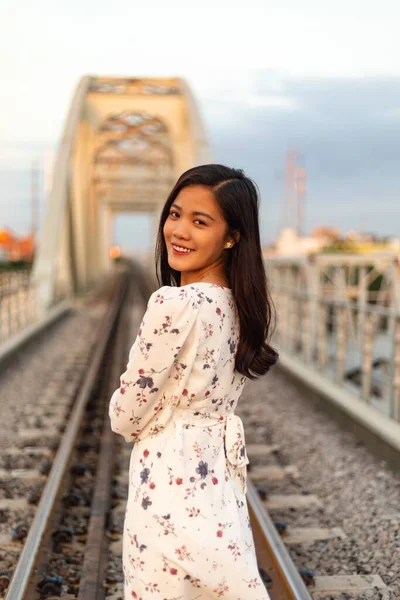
<point>238,200</point>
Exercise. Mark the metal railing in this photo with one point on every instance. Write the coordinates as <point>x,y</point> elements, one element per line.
<point>341,316</point>
<point>17,303</point>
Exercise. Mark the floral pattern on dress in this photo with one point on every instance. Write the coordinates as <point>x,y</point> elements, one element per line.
<point>186,520</point>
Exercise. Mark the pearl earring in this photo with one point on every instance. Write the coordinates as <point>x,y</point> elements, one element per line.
<point>228,245</point>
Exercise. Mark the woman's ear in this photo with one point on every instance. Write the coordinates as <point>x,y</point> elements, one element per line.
<point>233,240</point>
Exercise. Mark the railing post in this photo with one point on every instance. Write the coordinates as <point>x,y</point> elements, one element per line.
<point>313,294</point>
<point>9,306</point>
<point>292,324</point>
<point>395,371</point>
<point>362,302</point>
<point>321,333</point>
<point>366,357</point>
<point>285,305</point>
<point>293,316</point>
<point>2,336</point>
<point>18,303</point>
<point>341,342</point>
<point>306,329</point>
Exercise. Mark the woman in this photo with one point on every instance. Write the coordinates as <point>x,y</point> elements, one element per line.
<point>187,533</point>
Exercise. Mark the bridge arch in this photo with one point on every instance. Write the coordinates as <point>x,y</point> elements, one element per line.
<point>125,142</point>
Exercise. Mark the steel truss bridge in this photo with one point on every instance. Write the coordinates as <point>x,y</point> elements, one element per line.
<point>125,141</point>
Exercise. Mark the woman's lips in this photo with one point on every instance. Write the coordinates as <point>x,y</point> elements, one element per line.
<point>180,253</point>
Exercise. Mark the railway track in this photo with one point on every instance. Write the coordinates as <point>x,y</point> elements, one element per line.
<point>71,487</point>
<point>73,545</point>
<point>282,537</point>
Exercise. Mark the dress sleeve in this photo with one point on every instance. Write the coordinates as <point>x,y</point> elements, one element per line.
<point>159,365</point>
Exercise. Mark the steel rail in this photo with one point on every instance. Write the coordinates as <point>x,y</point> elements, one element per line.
<point>93,569</point>
<point>24,570</point>
<point>291,586</point>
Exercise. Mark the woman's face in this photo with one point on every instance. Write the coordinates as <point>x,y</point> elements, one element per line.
<point>195,223</point>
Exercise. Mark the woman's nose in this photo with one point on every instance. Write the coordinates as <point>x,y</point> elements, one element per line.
<point>181,231</point>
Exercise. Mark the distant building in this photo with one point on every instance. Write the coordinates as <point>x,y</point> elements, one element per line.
<point>326,234</point>
<point>13,248</point>
<point>289,243</point>
<point>394,244</point>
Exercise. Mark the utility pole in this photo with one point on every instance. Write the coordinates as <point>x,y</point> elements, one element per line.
<point>290,174</point>
<point>301,189</point>
<point>295,193</point>
<point>35,183</point>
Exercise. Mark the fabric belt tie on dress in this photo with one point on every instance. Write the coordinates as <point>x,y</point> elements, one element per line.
<point>234,440</point>
<point>235,447</point>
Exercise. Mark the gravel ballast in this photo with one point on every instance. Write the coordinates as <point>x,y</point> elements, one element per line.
<point>360,494</point>
<point>46,370</point>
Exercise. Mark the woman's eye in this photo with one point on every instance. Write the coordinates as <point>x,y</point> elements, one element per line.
<point>175,214</point>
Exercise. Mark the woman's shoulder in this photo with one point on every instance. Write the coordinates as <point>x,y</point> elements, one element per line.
<point>195,295</point>
<point>176,297</point>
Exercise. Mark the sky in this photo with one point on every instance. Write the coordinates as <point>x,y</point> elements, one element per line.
<point>320,77</point>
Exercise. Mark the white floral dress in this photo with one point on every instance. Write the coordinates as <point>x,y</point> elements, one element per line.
<point>187,533</point>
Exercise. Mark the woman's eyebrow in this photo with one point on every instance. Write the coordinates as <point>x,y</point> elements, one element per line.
<point>195,212</point>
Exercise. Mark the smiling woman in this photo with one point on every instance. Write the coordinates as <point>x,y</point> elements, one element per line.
<point>204,333</point>
<point>204,239</point>
<point>222,247</point>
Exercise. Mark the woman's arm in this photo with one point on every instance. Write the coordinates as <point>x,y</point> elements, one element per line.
<point>159,366</point>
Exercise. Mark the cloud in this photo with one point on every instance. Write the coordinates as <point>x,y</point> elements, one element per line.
<point>346,133</point>
<point>249,88</point>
